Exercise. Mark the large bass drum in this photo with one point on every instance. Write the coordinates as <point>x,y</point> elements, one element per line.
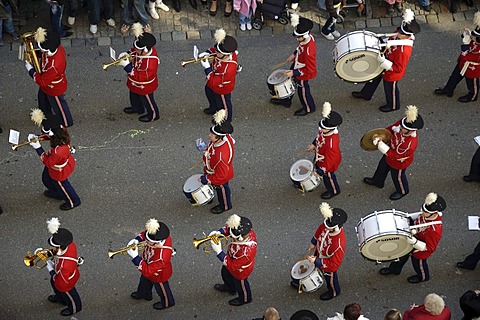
<point>382,235</point>
<point>355,56</point>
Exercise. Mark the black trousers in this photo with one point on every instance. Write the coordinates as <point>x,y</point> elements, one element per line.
<point>475,166</point>
<point>399,177</point>
<point>392,93</point>
<point>70,298</point>
<point>472,259</point>
<point>454,80</point>
<point>420,267</point>
<point>242,287</point>
<point>145,287</point>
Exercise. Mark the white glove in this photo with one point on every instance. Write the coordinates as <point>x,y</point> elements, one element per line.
<point>417,244</point>
<point>383,147</point>
<point>216,247</point>
<point>122,54</point>
<point>205,63</point>
<point>216,232</point>
<point>466,36</point>
<point>387,64</point>
<point>133,253</point>
<point>37,250</point>
<point>124,62</point>
<point>35,143</point>
<point>28,66</point>
<point>133,241</point>
<point>413,232</point>
<point>376,141</point>
<point>203,54</point>
<point>381,58</point>
<point>411,240</point>
<point>50,265</point>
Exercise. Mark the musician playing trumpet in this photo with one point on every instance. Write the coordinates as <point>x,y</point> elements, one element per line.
<point>238,262</point>
<point>154,264</point>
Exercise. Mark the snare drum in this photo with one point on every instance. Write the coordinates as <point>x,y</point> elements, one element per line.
<point>280,86</point>
<point>308,276</point>
<point>196,192</point>
<point>303,175</point>
<point>382,235</point>
<point>355,56</point>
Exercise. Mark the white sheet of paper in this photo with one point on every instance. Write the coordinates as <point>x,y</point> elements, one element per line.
<point>14,136</point>
<point>113,54</point>
<point>477,140</point>
<point>473,223</point>
<point>195,52</point>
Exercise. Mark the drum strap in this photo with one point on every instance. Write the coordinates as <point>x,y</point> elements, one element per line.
<point>421,225</point>
<point>406,42</point>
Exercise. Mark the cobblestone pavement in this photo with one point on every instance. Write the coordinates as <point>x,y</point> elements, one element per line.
<point>198,24</point>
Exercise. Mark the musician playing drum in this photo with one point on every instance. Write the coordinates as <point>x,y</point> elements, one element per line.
<point>221,75</point>
<point>64,268</point>
<point>51,80</point>
<point>218,161</point>
<point>424,239</point>
<point>395,63</point>
<point>142,80</point>
<point>239,260</point>
<point>398,154</point>
<point>304,66</point>
<point>327,150</point>
<point>154,263</point>
<point>328,245</point>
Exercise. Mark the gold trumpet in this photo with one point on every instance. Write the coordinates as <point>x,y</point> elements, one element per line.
<point>216,238</point>
<point>30,53</point>
<point>123,251</point>
<point>116,62</point>
<point>25,143</point>
<point>42,255</point>
<point>186,62</point>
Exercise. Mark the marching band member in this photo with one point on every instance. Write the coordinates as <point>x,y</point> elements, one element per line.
<point>218,161</point>
<point>154,263</point>
<point>63,270</point>
<point>59,162</point>
<point>424,240</point>
<point>142,80</point>
<point>467,65</point>
<point>239,260</point>
<point>304,65</point>
<point>327,150</point>
<point>470,262</point>
<point>474,172</point>
<point>395,63</point>
<point>52,81</point>
<point>221,75</point>
<point>328,245</point>
<point>398,154</point>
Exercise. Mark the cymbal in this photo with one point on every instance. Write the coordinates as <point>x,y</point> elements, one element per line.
<point>367,140</point>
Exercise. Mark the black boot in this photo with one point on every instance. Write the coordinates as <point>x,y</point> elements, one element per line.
<point>193,3</point>
<point>176,5</point>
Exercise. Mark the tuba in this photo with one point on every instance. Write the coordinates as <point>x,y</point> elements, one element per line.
<point>28,50</point>
<point>217,238</point>
<point>123,251</point>
<point>40,256</point>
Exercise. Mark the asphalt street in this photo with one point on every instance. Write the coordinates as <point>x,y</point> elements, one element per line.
<point>128,171</point>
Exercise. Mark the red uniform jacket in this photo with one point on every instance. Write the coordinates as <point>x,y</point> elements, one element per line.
<point>399,55</point>
<point>66,269</point>
<point>240,257</point>
<point>330,249</point>
<point>402,148</point>
<point>59,162</point>
<point>155,264</point>
<point>218,161</point>
<point>431,235</point>
<point>328,146</point>
<point>143,77</point>
<point>472,55</point>
<point>305,63</point>
<point>52,80</point>
<point>222,74</point>
<point>420,313</point>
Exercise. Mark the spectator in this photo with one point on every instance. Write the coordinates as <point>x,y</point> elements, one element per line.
<point>471,260</point>
<point>94,13</point>
<point>129,6</point>
<point>474,173</point>
<point>470,305</point>
<point>433,308</point>
<point>352,311</point>
<point>393,314</point>
<point>394,4</point>
<point>72,11</point>
<point>304,315</point>
<point>6,8</point>
<point>246,10</point>
<point>56,14</point>
<point>270,314</point>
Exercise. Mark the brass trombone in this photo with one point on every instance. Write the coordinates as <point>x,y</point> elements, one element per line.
<point>116,62</point>
<point>25,143</point>
<point>123,251</point>
<point>216,238</point>
<point>186,62</point>
<point>42,255</point>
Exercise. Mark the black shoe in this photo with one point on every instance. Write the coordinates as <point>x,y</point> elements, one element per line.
<point>294,284</point>
<point>130,110</point>
<point>208,111</point>
<point>213,12</point>
<point>223,288</point>
<point>301,112</point>
<point>159,306</point>
<point>413,279</point>
<point>217,209</point>
<point>467,179</point>
<point>65,312</point>
<point>386,109</point>
<point>236,302</point>
<point>145,118</point>
<point>193,3</point>
<point>462,265</point>
<point>384,271</point>
<point>287,103</point>
<point>177,6</point>
<point>135,296</point>
<point>453,8</point>
<point>227,13</point>
<point>47,194</point>
<point>327,296</point>
<point>67,34</point>
<point>328,195</point>
<point>66,207</point>
<point>371,182</point>
<point>427,8</point>
<point>66,28</point>
<point>470,3</point>
<point>442,91</point>
<point>358,95</point>
<point>466,98</point>
<point>397,196</point>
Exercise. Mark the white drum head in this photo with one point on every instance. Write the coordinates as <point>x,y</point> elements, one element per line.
<point>301,170</point>
<point>192,183</point>
<point>302,269</point>
<point>278,76</point>
<point>359,66</point>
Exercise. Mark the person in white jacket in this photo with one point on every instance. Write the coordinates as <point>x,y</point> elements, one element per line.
<point>352,311</point>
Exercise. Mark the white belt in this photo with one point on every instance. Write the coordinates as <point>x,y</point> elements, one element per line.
<point>140,83</point>
<point>57,81</point>
<point>60,166</point>
<point>466,65</point>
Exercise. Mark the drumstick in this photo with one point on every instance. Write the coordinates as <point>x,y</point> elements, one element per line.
<point>196,165</point>
<point>275,67</point>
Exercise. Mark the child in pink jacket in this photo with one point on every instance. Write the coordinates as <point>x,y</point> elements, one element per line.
<point>246,10</point>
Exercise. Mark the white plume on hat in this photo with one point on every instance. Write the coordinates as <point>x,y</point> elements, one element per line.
<point>294,20</point>
<point>37,116</point>
<point>431,198</point>
<point>233,221</point>
<point>40,34</point>
<point>53,225</point>
<point>476,19</point>
<point>220,116</point>
<point>326,210</point>
<point>408,16</point>
<point>411,113</point>
<point>327,108</point>
<point>152,226</point>
<point>137,29</point>
<point>219,35</point>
